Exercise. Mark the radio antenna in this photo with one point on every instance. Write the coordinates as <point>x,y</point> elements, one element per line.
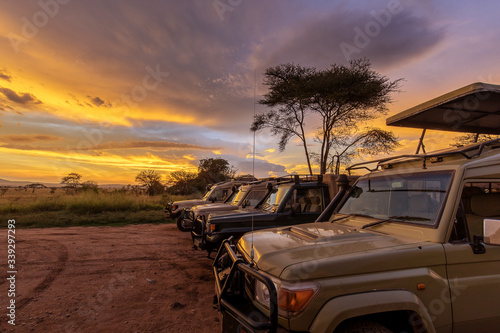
<point>253,154</point>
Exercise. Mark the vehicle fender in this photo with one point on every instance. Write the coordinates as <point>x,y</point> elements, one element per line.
<point>339,309</point>
<point>178,211</point>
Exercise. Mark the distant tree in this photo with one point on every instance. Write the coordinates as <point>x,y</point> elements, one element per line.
<point>90,186</point>
<point>467,138</point>
<point>72,180</point>
<point>182,181</point>
<point>136,189</point>
<point>371,141</point>
<point>343,98</point>
<point>151,180</point>
<point>3,191</point>
<point>214,170</point>
<point>34,186</point>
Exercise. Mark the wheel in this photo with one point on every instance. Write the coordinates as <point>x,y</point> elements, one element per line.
<point>362,326</point>
<point>181,225</point>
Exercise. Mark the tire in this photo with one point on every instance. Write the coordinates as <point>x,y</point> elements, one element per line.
<point>180,224</point>
<point>362,326</point>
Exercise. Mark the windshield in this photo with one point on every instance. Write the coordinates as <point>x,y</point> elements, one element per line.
<point>414,198</point>
<point>207,195</point>
<point>216,194</point>
<point>275,198</point>
<point>237,196</point>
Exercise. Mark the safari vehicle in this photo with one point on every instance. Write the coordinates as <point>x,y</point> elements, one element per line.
<point>217,193</point>
<point>413,246</point>
<point>246,198</point>
<point>290,202</point>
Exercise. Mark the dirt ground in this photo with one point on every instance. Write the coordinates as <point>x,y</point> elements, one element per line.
<point>138,278</point>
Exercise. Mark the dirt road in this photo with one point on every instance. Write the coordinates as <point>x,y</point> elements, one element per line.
<point>138,278</point>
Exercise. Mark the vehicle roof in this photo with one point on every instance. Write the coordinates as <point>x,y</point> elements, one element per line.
<point>474,108</point>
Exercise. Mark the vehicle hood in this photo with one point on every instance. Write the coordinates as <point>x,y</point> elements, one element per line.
<point>191,203</point>
<point>213,207</point>
<point>323,249</point>
<point>237,215</point>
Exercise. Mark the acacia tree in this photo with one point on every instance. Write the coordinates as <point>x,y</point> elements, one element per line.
<point>288,91</point>
<point>468,138</point>
<point>151,180</point>
<point>72,180</point>
<point>34,186</point>
<point>182,180</point>
<point>213,170</point>
<point>371,141</point>
<point>343,97</point>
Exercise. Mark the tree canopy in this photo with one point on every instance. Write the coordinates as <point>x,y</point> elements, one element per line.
<point>369,142</point>
<point>151,180</point>
<point>344,97</point>
<point>214,170</point>
<point>72,180</point>
<point>467,138</point>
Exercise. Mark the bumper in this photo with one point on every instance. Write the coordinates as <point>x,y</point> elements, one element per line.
<point>237,312</point>
<point>170,212</point>
<point>202,240</point>
<point>232,323</point>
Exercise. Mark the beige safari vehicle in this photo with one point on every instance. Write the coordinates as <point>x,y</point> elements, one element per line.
<point>412,246</point>
<point>219,193</point>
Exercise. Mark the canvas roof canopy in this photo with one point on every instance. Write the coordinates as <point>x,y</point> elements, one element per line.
<point>474,108</point>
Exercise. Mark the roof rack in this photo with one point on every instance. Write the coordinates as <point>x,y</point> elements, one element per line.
<point>462,150</point>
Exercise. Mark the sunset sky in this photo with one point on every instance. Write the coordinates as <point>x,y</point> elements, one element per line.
<point>110,88</point>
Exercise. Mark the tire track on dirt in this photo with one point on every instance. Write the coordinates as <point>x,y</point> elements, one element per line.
<point>49,279</point>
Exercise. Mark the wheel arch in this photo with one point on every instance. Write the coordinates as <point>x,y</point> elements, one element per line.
<point>373,304</point>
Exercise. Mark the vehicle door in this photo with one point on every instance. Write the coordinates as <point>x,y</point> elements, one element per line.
<point>474,274</point>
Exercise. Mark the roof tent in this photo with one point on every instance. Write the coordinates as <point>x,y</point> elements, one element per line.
<point>474,108</point>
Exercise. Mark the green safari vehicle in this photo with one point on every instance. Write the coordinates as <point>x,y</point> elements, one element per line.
<point>412,246</point>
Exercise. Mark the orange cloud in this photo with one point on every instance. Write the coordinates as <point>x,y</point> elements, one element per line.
<point>147,144</point>
<point>26,138</point>
<point>20,98</point>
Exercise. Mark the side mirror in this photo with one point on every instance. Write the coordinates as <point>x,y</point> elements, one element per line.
<point>491,229</point>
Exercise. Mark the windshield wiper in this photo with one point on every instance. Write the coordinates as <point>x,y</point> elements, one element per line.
<point>409,218</point>
<point>378,222</point>
<point>396,219</point>
<point>349,215</point>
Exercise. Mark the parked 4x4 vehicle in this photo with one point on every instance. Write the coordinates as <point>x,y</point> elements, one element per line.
<point>289,202</point>
<point>245,198</point>
<point>219,192</point>
<point>413,246</point>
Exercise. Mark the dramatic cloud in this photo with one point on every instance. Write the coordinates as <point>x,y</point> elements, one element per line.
<point>147,144</point>
<point>97,101</point>
<point>21,98</point>
<point>4,75</point>
<point>385,36</point>
<point>159,81</point>
<point>27,138</point>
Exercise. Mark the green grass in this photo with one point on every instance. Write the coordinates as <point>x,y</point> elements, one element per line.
<point>82,209</point>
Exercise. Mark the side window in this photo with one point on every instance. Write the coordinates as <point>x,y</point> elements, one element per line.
<point>254,197</point>
<point>219,195</point>
<point>479,200</point>
<point>305,201</point>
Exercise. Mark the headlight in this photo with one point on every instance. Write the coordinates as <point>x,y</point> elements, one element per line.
<point>174,207</point>
<point>292,297</point>
<point>210,227</point>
